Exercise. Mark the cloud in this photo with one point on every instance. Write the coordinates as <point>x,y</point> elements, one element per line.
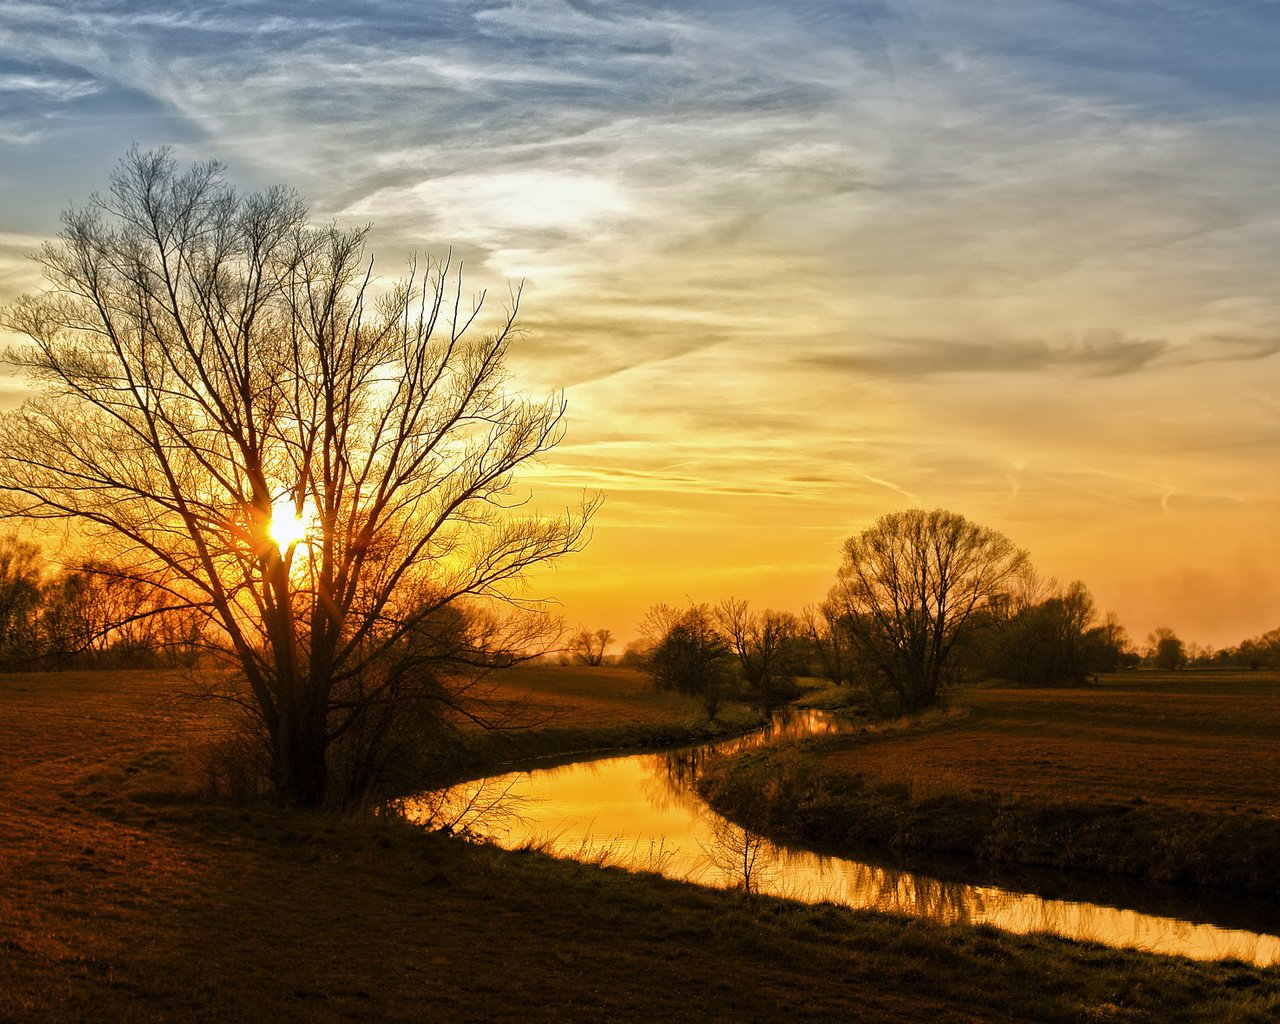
<point>60,89</point>
<point>1229,350</point>
<point>1097,354</point>
<point>809,260</point>
<point>18,273</point>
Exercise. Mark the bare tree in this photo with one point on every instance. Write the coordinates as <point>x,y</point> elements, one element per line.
<point>1254,653</point>
<point>21,581</point>
<point>765,644</point>
<point>591,647</point>
<point>912,583</point>
<point>687,653</point>
<point>1114,642</point>
<point>743,857</point>
<point>1045,636</point>
<point>1166,650</point>
<point>321,465</point>
<point>99,612</point>
<point>829,640</point>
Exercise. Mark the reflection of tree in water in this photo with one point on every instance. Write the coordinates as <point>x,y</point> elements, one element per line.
<point>812,878</point>
<point>681,768</point>
<point>807,876</point>
<point>920,896</point>
<point>470,809</point>
<point>744,858</point>
<point>669,782</point>
<point>675,771</point>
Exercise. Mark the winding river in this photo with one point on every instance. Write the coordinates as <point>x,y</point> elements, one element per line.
<point>641,812</point>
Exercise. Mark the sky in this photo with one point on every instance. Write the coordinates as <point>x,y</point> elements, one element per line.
<point>793,265</point>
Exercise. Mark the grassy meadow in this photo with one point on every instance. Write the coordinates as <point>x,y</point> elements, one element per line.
<point>1192,740</point>
<point>1167,777</point>
<point>571,712</point>
<point>129,896</point>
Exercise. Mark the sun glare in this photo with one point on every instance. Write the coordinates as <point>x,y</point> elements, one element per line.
<point>287,526</point>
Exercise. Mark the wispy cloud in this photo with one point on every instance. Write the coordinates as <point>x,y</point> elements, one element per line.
<point>1102,355</point>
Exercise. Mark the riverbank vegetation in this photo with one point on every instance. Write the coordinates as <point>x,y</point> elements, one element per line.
<point>129,897</point>
<point>1166,777</point>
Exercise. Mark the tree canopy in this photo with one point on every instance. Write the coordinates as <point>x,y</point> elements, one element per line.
<point>910,587</point>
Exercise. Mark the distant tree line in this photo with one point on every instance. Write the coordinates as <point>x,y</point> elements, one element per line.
<point>1256,653</point>
<point>1259,652</point>
<point>922,600</point>
<point>89,615</point>
<point>926,599</point>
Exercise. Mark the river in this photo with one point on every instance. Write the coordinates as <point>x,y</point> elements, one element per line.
<point>642,812</point>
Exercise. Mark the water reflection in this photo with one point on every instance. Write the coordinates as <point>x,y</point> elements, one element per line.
<point>745,860</point>
<point>642,812</point>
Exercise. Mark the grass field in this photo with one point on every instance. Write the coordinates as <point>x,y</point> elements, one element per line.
<point>562,712</point>
<point>1207,741</point>
<point>579,696</point>
<point>126,897</point>
<point>1164,777</point>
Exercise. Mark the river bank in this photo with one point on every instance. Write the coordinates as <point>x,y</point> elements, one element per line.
<point>1157,779</point>
<point>790,797</point>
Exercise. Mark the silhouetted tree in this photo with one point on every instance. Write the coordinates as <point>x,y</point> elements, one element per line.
<point>1051,642</point>
<point>636,653</point>
<point>590,647</point>
<point>915,583</point>
<point>1112,649</point>
<point>1167,652</point>
<point>688,654</point>
<point>230,405</point>
<point>20,598</point>
<point>1253,653</point>
<point>766,645</point>
<point>98,613</point>
<point>830,641</point>
<point>1257,652</point>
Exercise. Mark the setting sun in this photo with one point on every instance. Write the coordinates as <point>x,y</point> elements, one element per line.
<point>288,527</point>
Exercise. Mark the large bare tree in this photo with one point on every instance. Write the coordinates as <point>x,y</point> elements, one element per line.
<point>321,463</point>
<point>910,585</point>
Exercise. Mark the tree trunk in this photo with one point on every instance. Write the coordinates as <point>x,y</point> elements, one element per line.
<point>301,774</point>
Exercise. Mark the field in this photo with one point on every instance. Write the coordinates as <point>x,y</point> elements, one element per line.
<point>128,897</point>
<point>1167,778</point>
<point>1206,741</point>
<point>554,698</point>
<point>568,712</point>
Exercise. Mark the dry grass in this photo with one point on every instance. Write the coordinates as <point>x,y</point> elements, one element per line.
<point>555,713</point>
<point>579,696</point>
<point>1202,741</point>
